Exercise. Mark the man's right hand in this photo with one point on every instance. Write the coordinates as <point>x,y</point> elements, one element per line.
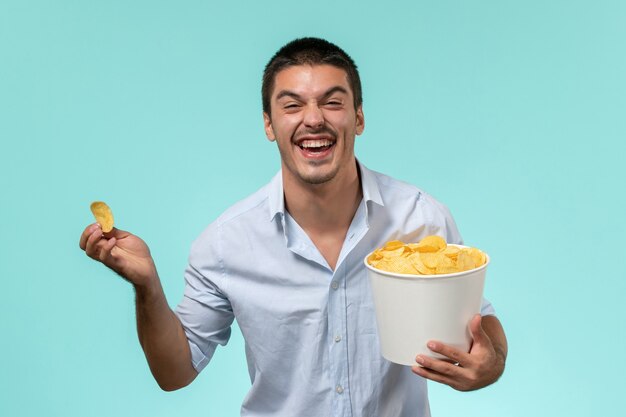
<point>160,332</point>
<point>121,251</point>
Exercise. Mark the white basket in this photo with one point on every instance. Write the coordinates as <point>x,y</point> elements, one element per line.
<point>413,309</point>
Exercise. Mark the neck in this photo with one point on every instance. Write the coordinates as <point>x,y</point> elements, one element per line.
<point>327,207</point>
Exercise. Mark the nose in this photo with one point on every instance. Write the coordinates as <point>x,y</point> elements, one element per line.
<point>313,116</point>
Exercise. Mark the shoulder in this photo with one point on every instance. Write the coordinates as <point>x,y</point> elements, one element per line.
<point>254,205</point>
<point>411,204</point>
<point>235,222</point>
<point>393,190</point>
<point>391,187</point>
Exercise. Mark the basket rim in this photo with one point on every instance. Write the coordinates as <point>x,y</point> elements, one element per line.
<point>428,277</point>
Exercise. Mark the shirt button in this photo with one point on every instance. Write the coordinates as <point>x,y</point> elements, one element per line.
<point>334,285</point>
<point>339,389</point>
<point>337,338</point>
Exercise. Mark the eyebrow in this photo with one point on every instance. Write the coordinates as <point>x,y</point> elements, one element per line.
<point>328,93</point>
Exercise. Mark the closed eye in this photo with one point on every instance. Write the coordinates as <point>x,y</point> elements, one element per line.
<point>334,103</point>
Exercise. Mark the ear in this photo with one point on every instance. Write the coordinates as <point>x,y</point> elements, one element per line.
<point>360,120</point>
<point>269,131</point>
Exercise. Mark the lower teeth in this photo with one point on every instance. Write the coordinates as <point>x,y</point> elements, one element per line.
<point>320,149</point>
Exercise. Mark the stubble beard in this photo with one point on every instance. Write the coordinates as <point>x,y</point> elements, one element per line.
<point>319,179</point>
<point>311,179</point>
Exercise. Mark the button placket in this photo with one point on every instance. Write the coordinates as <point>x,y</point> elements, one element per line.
<point>338,354</point>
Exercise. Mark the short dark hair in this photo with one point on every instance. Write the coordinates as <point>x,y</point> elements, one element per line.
<point>310,51</point>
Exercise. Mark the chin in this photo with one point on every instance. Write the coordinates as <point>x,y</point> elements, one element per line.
<point>318,177</point>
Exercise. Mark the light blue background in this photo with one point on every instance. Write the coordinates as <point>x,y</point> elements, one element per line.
<point>510,112</point>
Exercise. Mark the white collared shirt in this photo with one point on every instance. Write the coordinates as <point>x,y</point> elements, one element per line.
<point>311,339</point>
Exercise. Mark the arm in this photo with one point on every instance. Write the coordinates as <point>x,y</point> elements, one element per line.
<point>482,366</point>
<point>493,328</point>
<point>160,332</point>
<point>163,339</point>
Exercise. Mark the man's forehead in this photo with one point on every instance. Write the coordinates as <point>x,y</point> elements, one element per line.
<point>310,77</point>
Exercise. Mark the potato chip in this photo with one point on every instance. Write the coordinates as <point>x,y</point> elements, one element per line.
<point>452,252</point>
<point>478,256</point>
<point>442,269</point>
<point>418,264</point>
<point>412,246</point>
<point>429,256</point>
<point>103,215</point>
<point>393,244</point>
<point>431,260</point>
<point>393,253</point>
<point>431,244</point>
<point>465,261</point>
<point>446,265</point>
<point>399,265</point>
<point>374,257</point>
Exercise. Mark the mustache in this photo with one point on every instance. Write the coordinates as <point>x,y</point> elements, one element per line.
<point>324,130</point>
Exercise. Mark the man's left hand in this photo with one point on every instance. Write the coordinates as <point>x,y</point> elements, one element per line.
<point>482,366</point>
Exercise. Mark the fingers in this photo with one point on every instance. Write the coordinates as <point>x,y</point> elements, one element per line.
<point>455,375</point>
<point>96,244</point>
<point>441,377</point>
<point>105,250</point>
<point>89,230</point>
<point>92,243</point>
<point>439,370</point>
<point>86,233</point>
<point>475,369</point>
<point>437,365</point>
<point>455,355</point>
<point>116,233</point>
<point>479,336</point>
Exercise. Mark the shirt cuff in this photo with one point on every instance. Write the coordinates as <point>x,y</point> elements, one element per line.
<point>198,359</point>
<point>487,309</point>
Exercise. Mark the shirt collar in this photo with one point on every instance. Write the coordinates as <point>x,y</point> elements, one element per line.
<point>276,196</point>
<point>369,187</point>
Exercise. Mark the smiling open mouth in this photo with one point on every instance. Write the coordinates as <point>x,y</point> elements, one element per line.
<point>316,146</point>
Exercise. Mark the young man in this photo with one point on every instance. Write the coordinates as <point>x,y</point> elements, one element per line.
<point>287,263</point>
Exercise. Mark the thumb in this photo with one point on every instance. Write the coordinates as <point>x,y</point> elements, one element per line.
<point>116,233</point>
<point>479,336</point>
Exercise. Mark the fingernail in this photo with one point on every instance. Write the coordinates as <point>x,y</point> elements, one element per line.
<point>431,345</point>
<point>419,360</point>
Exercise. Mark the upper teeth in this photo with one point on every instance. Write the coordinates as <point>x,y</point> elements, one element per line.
<point>315,143</point>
